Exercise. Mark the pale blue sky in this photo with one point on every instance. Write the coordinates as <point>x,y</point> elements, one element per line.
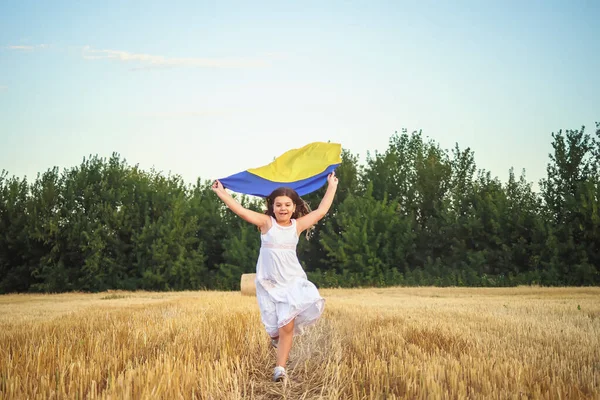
<point>209,89</point>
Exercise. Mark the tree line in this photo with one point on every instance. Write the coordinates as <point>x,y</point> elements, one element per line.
<point>415,214</point>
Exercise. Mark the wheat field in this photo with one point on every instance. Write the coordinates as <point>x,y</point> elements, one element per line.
<point>416,343</point>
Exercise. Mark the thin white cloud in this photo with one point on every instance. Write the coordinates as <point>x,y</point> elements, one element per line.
<point>147,61</point>
<point>185,113</point>
<point>27,47</point>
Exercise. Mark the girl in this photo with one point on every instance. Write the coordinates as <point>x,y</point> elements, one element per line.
<point>288,302</point>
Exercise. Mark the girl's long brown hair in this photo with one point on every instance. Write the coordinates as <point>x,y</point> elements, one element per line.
<point>302,207</point>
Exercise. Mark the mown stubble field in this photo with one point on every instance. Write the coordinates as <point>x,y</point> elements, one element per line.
<point>417,343</point>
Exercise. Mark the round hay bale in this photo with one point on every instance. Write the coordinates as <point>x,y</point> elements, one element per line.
<point>248,285</point>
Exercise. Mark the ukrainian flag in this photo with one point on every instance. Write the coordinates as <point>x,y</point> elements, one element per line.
<point>304,170</point>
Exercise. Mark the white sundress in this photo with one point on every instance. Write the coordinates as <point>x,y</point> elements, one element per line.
<point>282,288</point>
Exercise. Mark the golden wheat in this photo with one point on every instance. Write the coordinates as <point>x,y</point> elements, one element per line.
<point>423,343</point>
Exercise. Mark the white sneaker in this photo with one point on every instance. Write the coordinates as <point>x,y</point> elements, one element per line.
<point>279,374</point>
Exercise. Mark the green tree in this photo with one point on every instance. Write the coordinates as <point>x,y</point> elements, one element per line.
<point>15,262</point>
<point>241,247</point>
<point>367,240</point>
<point>311,252</point>
<point>570,196</point>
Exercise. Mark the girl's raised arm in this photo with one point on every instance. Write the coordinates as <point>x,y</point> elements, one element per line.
<point>258,219</point>
<point>315,216</point>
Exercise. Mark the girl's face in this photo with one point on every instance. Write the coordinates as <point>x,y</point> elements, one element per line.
<point>283,208</point>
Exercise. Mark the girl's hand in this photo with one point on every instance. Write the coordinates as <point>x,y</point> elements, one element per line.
<point>217,187</point>
<point>332,180</point>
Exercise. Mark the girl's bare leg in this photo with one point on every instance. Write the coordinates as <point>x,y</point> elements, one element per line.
<point>286,334</point>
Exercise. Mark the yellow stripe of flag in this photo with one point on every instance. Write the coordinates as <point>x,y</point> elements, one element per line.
<point>303,163</point>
